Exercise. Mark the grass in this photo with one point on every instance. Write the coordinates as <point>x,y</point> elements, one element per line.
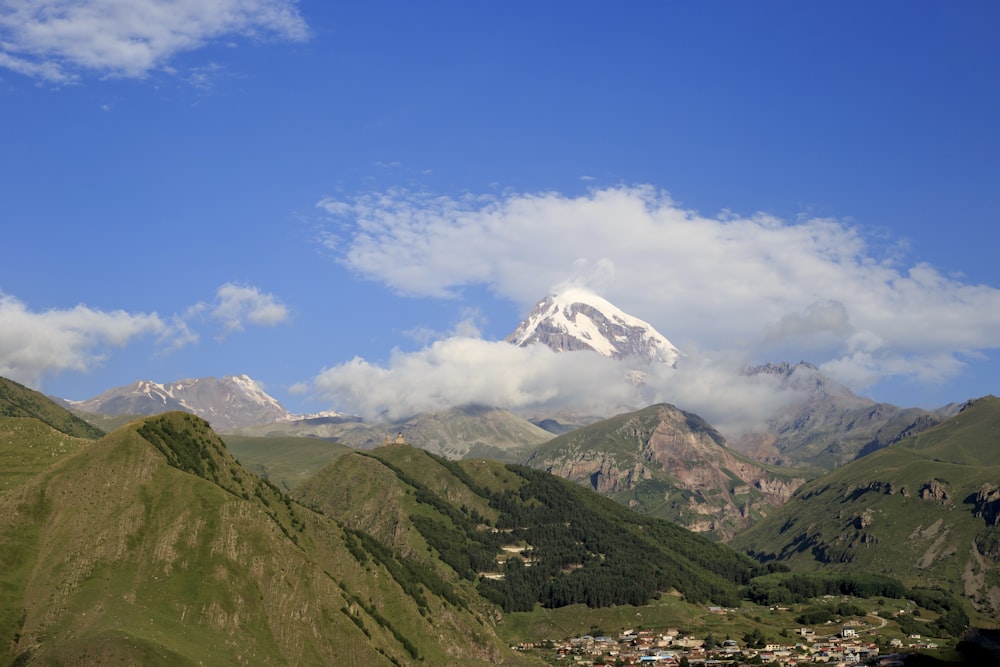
<point>859,517</point>
<point>27,447</point>
<point>286,461</point>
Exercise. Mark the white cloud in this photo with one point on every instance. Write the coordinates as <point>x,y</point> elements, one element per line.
<point>461,370</point>
<point>237,305</point>
<point>36,344</point>
<point>734,287</point>
<point>57,40</point>
<point>298,389</point>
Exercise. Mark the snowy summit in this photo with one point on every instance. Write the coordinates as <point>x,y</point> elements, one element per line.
<point>233,401</point>
<point>577,319</point>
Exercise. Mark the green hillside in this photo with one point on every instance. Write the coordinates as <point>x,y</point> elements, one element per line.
<point>18,401</point>
<point>287,461</point>
<point>538,539</point>
<point>107,423</point>
<point>28,447</point>
<point>470,431</point>
<point>924,511</point>
<point>153,546</point>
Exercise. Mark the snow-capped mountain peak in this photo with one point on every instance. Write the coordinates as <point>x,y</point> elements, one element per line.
<point>229,402</point>
<point>578,319</point>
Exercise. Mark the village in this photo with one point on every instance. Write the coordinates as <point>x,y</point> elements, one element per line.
<point>671,648</point>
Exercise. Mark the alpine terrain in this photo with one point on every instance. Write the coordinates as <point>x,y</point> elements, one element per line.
<point>461,432</point>
<point>672,464</point>
<point>827,425</point>
<point>925,510</point>
<point>577,319</point>
<point>233,401</point>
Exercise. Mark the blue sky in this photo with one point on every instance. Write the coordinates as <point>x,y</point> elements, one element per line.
<point>353,202</point>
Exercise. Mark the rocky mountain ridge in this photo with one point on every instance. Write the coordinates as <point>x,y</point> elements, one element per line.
<point>670,463</point>
<point>230,402</point>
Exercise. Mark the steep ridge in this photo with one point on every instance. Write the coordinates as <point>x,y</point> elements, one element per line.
<point>16,400</point>
<point>153,546</point>
<point>925,510</point>
<point>577,319</point>
<point>672,464</point>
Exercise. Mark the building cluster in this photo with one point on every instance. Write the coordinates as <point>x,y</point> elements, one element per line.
<point>671,649</point>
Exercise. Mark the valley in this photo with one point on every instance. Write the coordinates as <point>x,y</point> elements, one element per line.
<point>406,556</point>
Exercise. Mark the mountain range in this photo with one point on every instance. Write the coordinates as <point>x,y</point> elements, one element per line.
<point>154,545</point>
<point>226,403</point>
<point>660,460</point>
<point>925,510</point>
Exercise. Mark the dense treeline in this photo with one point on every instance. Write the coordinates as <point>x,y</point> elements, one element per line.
<point>189,446</point>
<point>952,619</point>
<point>791,588</point>
<point>818,614</point>
<point>797,588</point>
<point>587,549</point>
<point>579,546</point>
<point>460,535</point>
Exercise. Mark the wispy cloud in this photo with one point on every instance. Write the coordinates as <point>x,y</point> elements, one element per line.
<point>35,344</point>
<point>59,40</point>
<point>739,288</point>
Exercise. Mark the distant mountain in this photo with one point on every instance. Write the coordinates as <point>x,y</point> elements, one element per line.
<point>577,319</point>
<point>16,400</point>
<point>462,432</point>
<point>672,464</point>
<point>233,401</point>
<point>828,425</point>
<point>154,546</point>
<point>925,510</point>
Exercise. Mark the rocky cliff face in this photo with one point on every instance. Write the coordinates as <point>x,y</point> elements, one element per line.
<point>667,462</point>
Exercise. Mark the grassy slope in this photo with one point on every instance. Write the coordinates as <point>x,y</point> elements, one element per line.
<point>107,423</point>
<point>111,555</point>
<point>390,487</point>
<point>27,447</point>
<point>286,461</point>
<point>18,401</point>
<point>859,518</point>
<point>377,500</point>
<point>463,432</point>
